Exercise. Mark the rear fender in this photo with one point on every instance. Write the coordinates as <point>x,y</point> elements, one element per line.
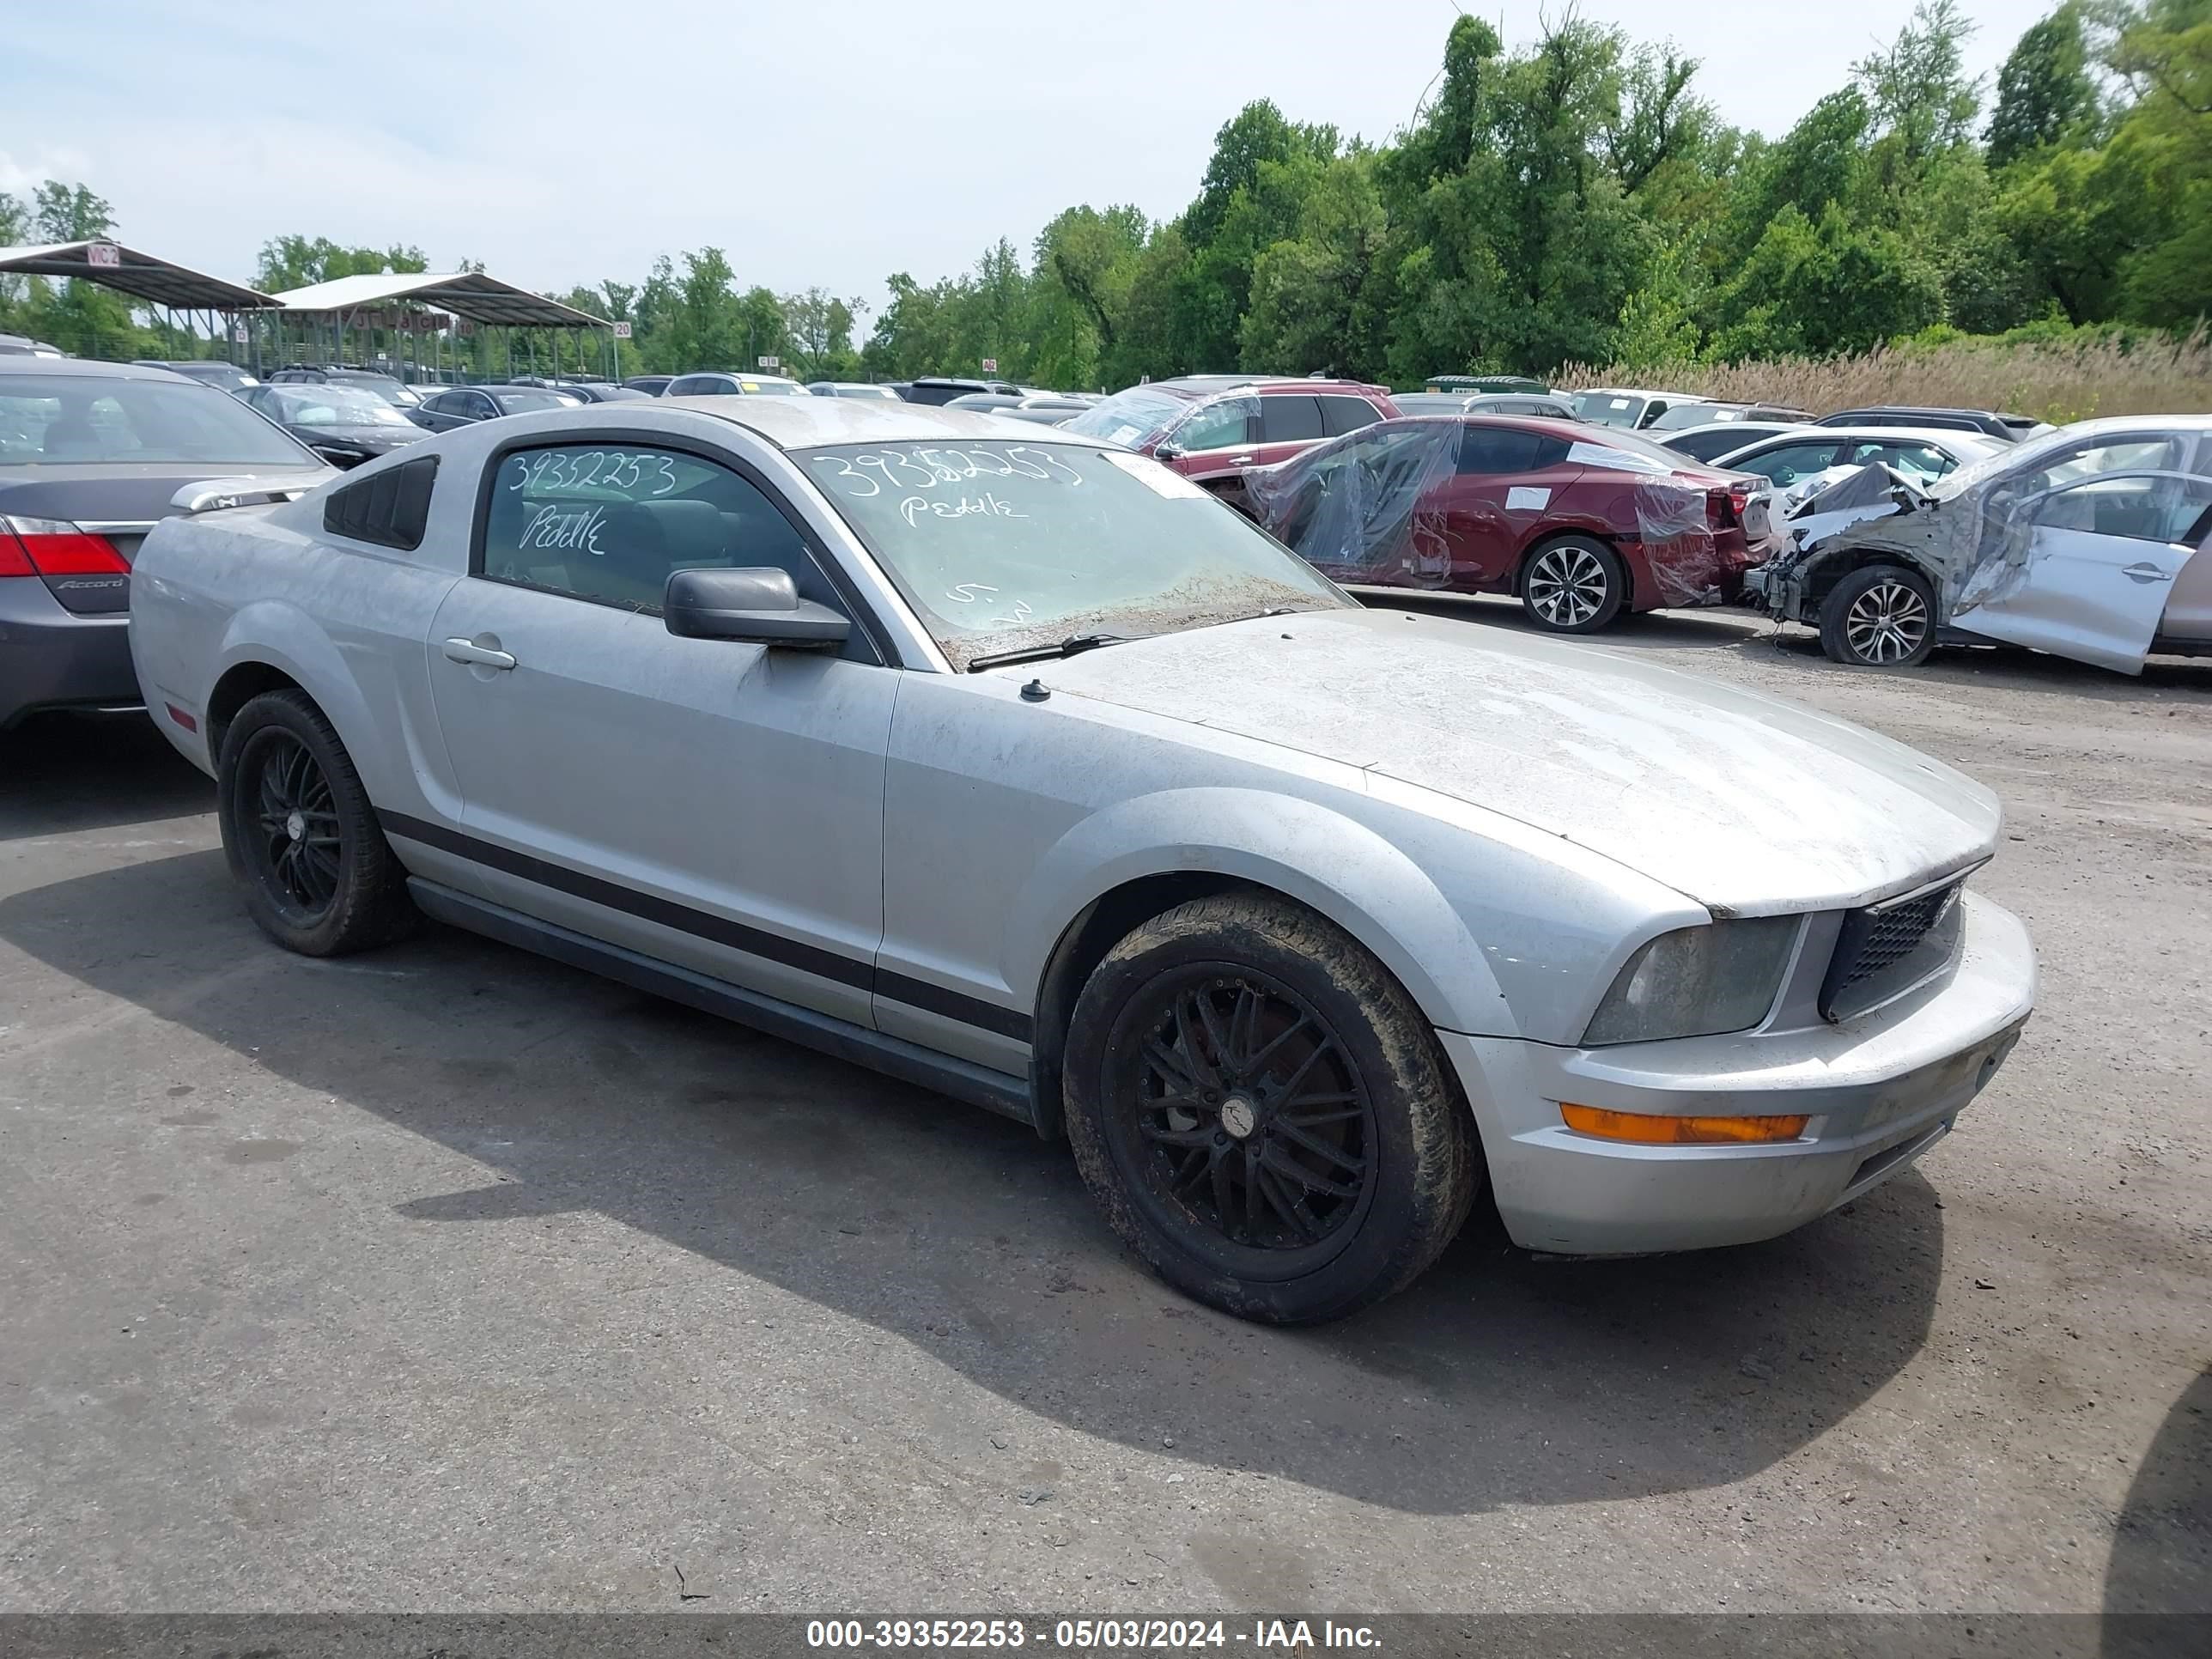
<point>387,753</point>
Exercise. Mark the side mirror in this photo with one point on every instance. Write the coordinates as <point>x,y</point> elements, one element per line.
<point>1168,452</point>
<point>758,606</point>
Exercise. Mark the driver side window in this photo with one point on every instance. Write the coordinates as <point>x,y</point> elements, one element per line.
<point>2138,508</point>
<point>608,524</point>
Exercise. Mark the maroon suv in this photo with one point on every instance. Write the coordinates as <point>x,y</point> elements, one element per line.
<point>1209,427</point>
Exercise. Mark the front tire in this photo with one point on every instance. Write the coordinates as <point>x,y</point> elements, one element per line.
<point>1574,586</point>
<point>1882,616</point>
<point>1263,1114</point>
<point>300,834</point>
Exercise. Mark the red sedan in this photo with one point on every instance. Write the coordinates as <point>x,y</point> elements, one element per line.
<point>1576,522</point>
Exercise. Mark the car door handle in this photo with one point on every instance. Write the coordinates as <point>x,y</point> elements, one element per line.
<point>2145,571</point>
<point>469,651</point>
<point>1240,460</point>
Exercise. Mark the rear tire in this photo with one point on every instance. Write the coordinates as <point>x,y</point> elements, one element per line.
<point>1882,616</point>
<point>1576,585</point>
<point>299,834</point>
<point>1263,1114</point>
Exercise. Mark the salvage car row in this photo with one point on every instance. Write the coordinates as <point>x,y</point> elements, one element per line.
<point>2082,543</point>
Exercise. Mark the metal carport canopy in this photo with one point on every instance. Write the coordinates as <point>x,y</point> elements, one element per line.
<point>130,271</point>
<point>469,294</point>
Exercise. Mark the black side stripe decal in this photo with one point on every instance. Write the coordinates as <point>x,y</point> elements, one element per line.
<point>717,930</point>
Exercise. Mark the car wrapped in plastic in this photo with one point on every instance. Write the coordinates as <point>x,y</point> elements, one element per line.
<point>1579,523</point>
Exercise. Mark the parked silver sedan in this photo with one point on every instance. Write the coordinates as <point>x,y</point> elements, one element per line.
<point>1018,767</point>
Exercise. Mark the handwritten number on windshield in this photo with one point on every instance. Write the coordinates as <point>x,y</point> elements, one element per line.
<point>930,467</point>
<point>845,471</point>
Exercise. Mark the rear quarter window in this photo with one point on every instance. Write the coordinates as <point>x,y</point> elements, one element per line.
<point>1340,414</point>
<point>390,509</point>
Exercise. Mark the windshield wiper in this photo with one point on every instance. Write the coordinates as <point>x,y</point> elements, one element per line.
<point>1074,645</point>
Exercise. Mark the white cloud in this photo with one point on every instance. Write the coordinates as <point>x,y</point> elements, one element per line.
<point>25,173</point>
<point>562,141</point>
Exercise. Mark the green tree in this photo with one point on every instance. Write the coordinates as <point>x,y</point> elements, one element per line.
<point>1086,263</point>
<point>1311,307</point>
<point>1657,119</point>
<point>702,328</point>
<point>820,328</point>
<point>1917,85</point>
<point>71,213</point>
<point>2044,92</point>
<point>1817,289</point>
<point>290,262</point>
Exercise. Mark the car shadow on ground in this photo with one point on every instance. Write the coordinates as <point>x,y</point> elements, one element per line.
<point>1496,1380</point>
<point>60,774</point>
<point>2161,1558</point>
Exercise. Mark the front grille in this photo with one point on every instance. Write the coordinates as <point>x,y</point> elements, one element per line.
<point>1877,939</point>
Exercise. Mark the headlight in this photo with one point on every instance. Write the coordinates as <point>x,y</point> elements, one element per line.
<point>1695,981</point>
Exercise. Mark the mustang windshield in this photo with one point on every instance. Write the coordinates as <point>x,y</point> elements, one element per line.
<point>1003,547</point>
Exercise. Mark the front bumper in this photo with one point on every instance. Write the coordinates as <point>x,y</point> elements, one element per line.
<point>50,657</point>
<point>1880,1088</point>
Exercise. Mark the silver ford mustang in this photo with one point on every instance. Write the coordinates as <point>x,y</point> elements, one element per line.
<point>1015,765</point>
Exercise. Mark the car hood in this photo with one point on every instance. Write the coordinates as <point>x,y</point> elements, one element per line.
<point>1743,802</point>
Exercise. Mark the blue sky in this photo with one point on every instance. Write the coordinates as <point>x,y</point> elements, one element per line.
<point>561,142</point>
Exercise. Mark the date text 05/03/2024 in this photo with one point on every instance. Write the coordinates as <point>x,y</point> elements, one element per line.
<point>1090,1635</point>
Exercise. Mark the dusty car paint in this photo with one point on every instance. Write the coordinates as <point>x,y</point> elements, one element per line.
<point>1503,823</point>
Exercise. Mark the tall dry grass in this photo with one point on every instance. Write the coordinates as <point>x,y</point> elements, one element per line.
<point>2056,381</point>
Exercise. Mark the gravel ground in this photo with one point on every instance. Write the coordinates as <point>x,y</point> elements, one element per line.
<point>450,1279</point>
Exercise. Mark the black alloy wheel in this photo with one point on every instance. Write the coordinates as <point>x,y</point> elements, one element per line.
<point>1246,1118</point>
<point>297,850</point>
<point>299,834</point>
<point>1262,1112</point>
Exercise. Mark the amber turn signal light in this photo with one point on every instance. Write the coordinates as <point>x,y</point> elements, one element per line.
<point>1654,1131</point>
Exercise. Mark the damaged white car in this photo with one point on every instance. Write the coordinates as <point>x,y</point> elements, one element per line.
<point>2086,543</point>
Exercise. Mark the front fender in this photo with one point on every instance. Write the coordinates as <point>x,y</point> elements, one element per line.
<point>1330,863</point>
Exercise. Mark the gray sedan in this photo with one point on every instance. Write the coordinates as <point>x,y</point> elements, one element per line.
<point>1020,768</point>
<point>90,455</point>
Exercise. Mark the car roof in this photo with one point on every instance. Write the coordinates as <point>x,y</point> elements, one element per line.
<point>2120,423</point>
<point>736,374</point>
<point>1916,409</point>
<point>1767,426</point>
<point>1552,426</point>
<point>496,386</point>
<point>1871,434</point>
<point>1202,383</point>
<point>808,423</point>
<point>92,369</point>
